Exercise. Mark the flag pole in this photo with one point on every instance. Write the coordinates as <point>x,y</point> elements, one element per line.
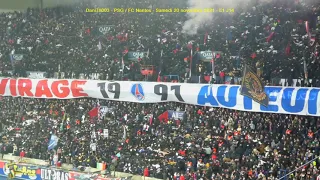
<point>59,73</point>
<point>243,74</point>
<point>305,71</point>
<point>12,64</point>
<point>190,67</point>
<point>122,67</point>
<point>213,66</point>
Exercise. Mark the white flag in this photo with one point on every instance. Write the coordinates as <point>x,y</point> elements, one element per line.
<point>124,132</point>
<point>99,46</point>
<point>148,53</point>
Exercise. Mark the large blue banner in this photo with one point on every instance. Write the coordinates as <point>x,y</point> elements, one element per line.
<point>289,100</point>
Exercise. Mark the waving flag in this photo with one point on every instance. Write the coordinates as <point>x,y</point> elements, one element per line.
<point>103,110</point>
<point>229,36</point>
<point>99,46</point>
<point>270,37</point>
<point>94,112</point>
<point>311,39</point>
<point>205,38</point>
<point>252,87</point>
<point>53,142</point>
<point>15,58</point>
<point>164,117</point>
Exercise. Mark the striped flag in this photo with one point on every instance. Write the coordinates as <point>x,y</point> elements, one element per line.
<point>101,166</point>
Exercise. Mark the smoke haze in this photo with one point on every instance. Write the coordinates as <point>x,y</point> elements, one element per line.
<point>195,20</point>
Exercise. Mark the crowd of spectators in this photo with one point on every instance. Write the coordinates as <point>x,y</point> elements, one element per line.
<point>208,143</point>
<point>269,36</point>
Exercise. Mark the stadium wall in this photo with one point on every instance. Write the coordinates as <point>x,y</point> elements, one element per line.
<point>67,168</point>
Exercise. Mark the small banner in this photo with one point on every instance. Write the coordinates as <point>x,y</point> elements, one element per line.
<point>16,58</point>
<point>207,56</point>
<point>103,29</point>
<point>176,115</point>
<point>134,56</point>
